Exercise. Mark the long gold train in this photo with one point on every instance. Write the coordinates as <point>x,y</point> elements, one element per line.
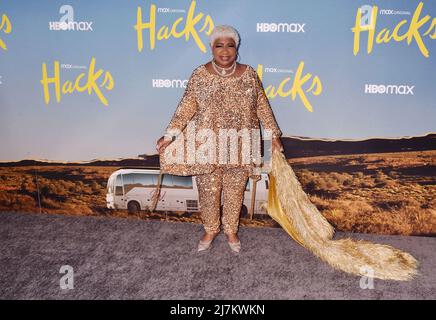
<point>290,206</point>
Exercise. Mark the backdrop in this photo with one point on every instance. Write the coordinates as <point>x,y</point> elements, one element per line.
<point>88,80</point>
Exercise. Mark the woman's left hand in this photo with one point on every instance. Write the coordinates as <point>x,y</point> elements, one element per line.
<point>277,144</point>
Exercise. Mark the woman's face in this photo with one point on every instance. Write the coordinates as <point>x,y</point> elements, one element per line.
<point>224,51</point>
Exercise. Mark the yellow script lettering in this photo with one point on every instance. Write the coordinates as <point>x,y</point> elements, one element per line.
<point>384,36</point>
<point>164,32</point>
<point>69,87</point>
<point>6,27</point>
<point>315,87</point>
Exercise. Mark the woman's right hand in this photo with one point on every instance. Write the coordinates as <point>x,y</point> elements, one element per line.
<point>161,144</point>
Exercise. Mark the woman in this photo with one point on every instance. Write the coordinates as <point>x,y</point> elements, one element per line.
<point>222,94</point>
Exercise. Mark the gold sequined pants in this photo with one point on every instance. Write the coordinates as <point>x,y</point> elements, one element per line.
<point>232,183</point>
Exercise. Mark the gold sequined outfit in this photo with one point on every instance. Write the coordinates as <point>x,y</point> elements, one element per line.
<point>215,102</point>
<point>232,183</point>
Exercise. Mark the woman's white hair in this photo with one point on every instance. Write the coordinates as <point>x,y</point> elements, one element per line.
<point>224,31</point>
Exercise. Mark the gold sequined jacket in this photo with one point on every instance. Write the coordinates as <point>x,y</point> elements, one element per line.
<point>214,102</point>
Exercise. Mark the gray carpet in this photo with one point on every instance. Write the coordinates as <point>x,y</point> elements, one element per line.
<point>115,258</point>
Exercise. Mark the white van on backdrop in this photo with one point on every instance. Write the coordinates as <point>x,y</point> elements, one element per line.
<point>133,189</point>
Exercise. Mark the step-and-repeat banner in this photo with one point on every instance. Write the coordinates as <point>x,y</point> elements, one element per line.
<point>85,80</point>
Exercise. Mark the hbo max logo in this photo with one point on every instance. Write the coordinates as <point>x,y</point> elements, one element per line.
<point>168,83</point>
<point>388,89</point>
<point>280,27</point>
<point>67,22</point>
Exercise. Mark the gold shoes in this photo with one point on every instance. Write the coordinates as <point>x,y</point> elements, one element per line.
<point>205,245</point>
<point>235,246</point>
